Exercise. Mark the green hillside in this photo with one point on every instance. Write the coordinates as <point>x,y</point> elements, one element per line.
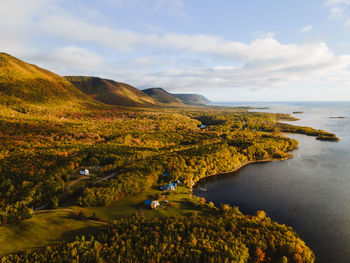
<point>111,92</point>
<point>23,83</point>
<point>192,99</point>
<point>162,96</point>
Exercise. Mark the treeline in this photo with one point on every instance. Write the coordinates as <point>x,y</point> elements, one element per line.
<point>226,237</point>
<point>189,165</point>
<point>320,134</point>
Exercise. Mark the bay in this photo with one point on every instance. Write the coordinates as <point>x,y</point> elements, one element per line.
<point>310,192</point>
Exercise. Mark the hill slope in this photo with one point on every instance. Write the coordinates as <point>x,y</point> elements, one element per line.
<point>192,99</point>
<point>162,96</point>
<point>111,92</point>
<point>21,82</point>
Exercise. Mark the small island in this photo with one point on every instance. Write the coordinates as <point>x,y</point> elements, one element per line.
<point>298,112</point>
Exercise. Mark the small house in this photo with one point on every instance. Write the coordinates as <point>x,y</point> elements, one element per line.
<point>84,172</point>
<point>202,126</point>
<point>166,174</point>
<point>170,187</point>
<point>155,204</point>
<point>152,203</point>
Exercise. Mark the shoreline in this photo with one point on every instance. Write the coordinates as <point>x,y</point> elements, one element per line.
<point>240,167</point>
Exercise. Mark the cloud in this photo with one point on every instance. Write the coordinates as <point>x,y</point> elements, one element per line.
<point>337,2</point>
<point>337,8</point>
<point>178,62</point>
<point>306,29</point>
<point>172,7</point>
<point>337,12</point>
<point>347,22</point>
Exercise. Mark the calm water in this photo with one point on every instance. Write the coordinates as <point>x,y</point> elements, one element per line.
<point>310,192</point>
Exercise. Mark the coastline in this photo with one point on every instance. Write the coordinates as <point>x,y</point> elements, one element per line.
<point>240,167</point>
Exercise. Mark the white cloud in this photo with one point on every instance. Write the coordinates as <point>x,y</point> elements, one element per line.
<point>68,60</point>
<point>337,2</point>
<point>262,63</point>
<point>337,12</point>
<point>172,7</point>
<point>337,8</point>
<point>347,22</point>
<point>306,29</point>
<point>263,34</point>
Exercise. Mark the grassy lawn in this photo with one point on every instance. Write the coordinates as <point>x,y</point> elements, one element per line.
<point>127,206</point>
<point>41,230</point>
<point>48,228</point>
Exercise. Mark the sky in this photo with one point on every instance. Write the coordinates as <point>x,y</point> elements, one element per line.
<point>226,50</point>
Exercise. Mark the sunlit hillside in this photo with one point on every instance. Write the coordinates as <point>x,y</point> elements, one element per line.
<point>21,82</point>
<point>111,92</point>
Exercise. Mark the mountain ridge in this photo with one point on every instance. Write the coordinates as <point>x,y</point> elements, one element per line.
<point>34,85</point>
<point>111,92</point>
<point>162,96</point>
<point>26,85</point>
<point>192,98</point>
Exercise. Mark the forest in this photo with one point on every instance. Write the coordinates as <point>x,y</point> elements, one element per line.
<point>228,236</point>
<point>42,152</point>
<point>39,156</point>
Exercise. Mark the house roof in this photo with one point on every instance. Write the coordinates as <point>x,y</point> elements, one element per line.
<point>148,202</point>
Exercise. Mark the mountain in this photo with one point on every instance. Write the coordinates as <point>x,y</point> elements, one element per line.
<point>25,83</point>
<point>193,99</point>
<point>162,96</point>
<point>111,92</point>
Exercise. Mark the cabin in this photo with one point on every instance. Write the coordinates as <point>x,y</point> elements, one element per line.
<point>203,126</point>
<point>166,174</point>
<point>170,187</point>
<point>84,172</point>
<point>152,203</point>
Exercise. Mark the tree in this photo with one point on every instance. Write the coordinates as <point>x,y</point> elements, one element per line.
<point>54,202</point>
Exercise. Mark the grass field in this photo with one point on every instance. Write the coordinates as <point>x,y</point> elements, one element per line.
<point>51,227</point>
<point>41,230</point>
<point>177,205</point>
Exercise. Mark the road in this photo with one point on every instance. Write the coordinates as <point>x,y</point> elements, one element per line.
<point>71,183</point>
<point>105,178</point>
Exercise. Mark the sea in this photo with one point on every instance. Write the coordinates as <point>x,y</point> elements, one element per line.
<point>310,192</point>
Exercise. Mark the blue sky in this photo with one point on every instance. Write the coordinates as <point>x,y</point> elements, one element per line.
<point>240,50</point>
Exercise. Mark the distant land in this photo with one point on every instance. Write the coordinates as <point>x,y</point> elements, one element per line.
<point>122,94</point>
<point>162,96</point>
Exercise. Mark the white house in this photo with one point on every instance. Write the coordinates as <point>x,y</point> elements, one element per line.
<point>152,204</point>
<point>155,204</point>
